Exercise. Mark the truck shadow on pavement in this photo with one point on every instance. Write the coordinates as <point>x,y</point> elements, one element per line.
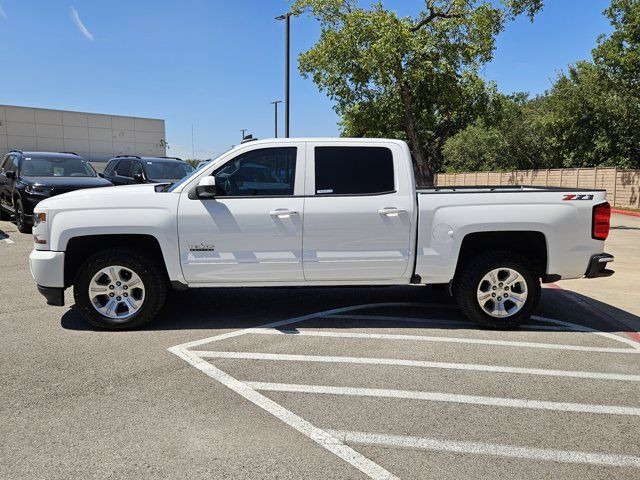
<point>238,308</point>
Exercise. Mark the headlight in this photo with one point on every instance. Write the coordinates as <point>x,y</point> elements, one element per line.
<point>39,218</point>
<point>37,190</point>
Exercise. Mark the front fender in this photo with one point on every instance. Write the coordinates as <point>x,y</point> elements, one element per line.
<point>156,222</point>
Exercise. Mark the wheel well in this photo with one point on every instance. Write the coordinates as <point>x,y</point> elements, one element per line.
<point>79,249</point>
<point>531,245</point>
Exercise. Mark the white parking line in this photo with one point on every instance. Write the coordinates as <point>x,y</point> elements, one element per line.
<point>359,461</point>
<point>447,397</point>
<point>476,448</point>
<point>429,321</point>
<point>427,338</point>
<point>559,325</point>
<point>299,319</point>
<point>334,441</point>
<point>6,240</point>
<point>419,363</point>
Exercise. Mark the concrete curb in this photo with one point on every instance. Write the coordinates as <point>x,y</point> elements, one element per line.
<point>625,212</point>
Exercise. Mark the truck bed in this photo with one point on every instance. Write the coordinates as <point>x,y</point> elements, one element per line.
<point>562,215</point>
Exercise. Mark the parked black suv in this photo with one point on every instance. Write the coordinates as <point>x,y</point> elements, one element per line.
<point>26,178</point>
<point>126,170</point>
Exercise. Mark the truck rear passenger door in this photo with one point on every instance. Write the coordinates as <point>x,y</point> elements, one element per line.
<point>358,212</point>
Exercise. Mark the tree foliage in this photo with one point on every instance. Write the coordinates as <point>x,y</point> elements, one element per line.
<point>590,117</point>
<point>413,77</point>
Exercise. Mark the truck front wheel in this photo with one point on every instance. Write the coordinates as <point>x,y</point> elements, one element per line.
<point>498,289</point>
<point>119,289</point>
<point>21,220</point>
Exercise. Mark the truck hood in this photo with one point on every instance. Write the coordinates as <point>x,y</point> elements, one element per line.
<point>103,197</point>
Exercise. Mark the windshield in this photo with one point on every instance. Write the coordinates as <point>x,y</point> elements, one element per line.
<point>211,161</point>
<point>168,170</point>
<point>57,167</point>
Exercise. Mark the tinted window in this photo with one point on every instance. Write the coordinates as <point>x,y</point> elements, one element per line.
<point>136,169</point>
<point>57,167</point>
<point>267,171</point>
<point>353,170</point>
<point>9,164</point>
<point>110,167</point>
<point>159,170</point>
<point>123,168</point>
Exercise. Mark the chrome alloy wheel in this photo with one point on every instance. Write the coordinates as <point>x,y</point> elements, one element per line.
<point>502,292</point>
<point>116,292</point>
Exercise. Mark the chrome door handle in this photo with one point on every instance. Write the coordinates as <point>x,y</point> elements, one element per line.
<point>391,212</point>
<point>282,213</point>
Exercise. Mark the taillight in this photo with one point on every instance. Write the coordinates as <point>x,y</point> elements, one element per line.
<point>601,221</point>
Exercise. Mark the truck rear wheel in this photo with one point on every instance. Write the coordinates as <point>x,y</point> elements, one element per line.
<point>498,289</point>
<point>119,289</point>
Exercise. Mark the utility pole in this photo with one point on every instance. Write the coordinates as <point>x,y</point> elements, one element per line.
<point>275,104</point>
<point>287,70</point>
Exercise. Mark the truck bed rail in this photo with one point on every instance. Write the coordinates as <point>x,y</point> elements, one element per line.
<point>501,189</point>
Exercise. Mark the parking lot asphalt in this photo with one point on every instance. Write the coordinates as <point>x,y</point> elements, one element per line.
<point>322,383</point>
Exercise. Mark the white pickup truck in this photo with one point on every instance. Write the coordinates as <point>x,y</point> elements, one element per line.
<point>313,212</point>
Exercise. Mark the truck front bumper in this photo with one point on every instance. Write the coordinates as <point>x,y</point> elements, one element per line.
<point>47,269</point>
<point>598,266</point>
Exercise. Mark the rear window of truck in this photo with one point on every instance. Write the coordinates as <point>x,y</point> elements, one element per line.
<point>353,170</point>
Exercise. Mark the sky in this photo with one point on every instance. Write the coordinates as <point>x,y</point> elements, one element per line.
<point>217,64</point>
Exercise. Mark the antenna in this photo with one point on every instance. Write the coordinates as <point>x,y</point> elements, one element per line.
<point>193,151</point>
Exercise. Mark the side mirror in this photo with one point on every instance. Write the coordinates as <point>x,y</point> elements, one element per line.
<point>138,178</point>
<point>10,174</point>
<point>101,175</point>
<point>206,187</point>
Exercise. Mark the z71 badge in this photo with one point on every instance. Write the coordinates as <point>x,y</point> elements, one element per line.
<point>577,197</point>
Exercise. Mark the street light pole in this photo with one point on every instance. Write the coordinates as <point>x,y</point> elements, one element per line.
<point>275,104</point>
<point>243,130</point>
<point>287,69</point>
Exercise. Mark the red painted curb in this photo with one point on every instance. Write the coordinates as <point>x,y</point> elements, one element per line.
<point>596,311</point>
<point>625,212</point>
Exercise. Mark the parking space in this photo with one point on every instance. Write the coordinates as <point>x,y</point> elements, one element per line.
<point>320,383</point>
<point>350,377</point>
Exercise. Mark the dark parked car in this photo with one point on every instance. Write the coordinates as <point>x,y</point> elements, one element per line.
<point>26,178</point>
<point>127,170</point>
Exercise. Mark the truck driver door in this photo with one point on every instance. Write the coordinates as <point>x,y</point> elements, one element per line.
<point>251,232</point>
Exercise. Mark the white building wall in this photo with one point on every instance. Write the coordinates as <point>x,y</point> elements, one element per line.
<point>96,137</point>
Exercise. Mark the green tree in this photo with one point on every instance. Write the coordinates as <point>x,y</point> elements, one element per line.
<point>589,121</point>
<point>410,77</point>
<point>506,137</point>
<point>590,117</point>
<point>618,55</point>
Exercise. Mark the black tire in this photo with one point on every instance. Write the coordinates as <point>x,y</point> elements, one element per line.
<point>468,280</point>
<point>4,215</point>
<point>154,280</point>
<point>21,221</point>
